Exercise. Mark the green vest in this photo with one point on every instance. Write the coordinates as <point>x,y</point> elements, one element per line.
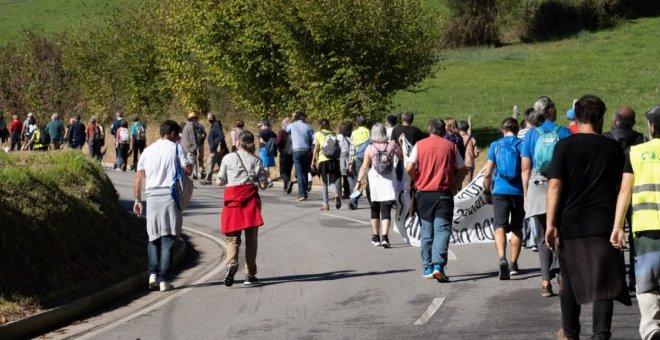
<point>645,161</point>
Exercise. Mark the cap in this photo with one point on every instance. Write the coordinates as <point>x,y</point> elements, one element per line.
<point>30,114</point>
<point>570,114</point>
<point>300,114</point>
<point>264,122</point>
<point>193,115</point>
<point>653,114</point>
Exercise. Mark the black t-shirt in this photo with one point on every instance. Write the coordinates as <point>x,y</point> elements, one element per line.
<point>412,133</point>
<point>266,135</point>
<point>590,167</point>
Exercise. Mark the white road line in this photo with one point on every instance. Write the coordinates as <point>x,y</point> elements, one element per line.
<point>347,218</point>
<point>433,307</point>
<point>169,298</point>
<point>451,256</point>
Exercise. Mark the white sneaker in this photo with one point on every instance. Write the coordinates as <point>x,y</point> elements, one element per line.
<point>153,283</point>
<point>165,286</point>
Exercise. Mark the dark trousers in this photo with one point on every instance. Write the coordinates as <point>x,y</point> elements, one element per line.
<point>570,313</point>
<point>548,259</point>
<point>286,165</point>
<point>301,159</point>
<point>138,147</point>
<point>15,142</point>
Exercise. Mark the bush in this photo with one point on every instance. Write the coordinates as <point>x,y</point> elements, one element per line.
<point>472,23</point>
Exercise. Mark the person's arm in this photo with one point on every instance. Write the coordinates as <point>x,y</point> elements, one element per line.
<point>351,154</point>
<point>363,171</point>
<point>222,173</point>
<point>411,166</point>
<point>315,151</point>
<point>618,238</point>
<point>488,180</point>
<point>137,191</point>
<point>525,173</point>
<point>552,205</point>
<point>475,148</point>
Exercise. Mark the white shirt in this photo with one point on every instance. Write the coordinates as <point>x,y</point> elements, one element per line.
<point>157,161</point>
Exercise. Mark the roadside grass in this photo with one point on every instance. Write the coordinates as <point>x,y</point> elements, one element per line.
<point>620,65</point>
<point>50,16</point>
<point>63,233</point>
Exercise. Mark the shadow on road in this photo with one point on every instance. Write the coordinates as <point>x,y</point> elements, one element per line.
<point>524,275</point>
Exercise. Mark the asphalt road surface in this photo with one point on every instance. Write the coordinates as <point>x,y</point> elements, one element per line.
<point>322,279</point>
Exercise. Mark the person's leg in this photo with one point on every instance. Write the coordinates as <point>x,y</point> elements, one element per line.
<point>324,191</point>
<point>631,252</point>
<point>570,310</point>
<point>442,221</point>
<point>602,319</point>
<point>516,225</point>
<point>167,242</point>
<point>211,165</point>
<point>233,243</point>
<point>386,217</point>
<point>356,170</point>
<point>649,306</point>
<point>545,255</point>
<point>200,159</point>
<point>251,236</point>
<point>375,219</point>
<point>299,159</point>
<point>516,245</point>
<point>136,150</point>
<point>153,251</point>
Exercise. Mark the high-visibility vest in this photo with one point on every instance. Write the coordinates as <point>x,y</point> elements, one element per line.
<point>645,161</point>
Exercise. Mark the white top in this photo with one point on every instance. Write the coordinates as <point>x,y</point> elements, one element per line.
<point>157,161</point>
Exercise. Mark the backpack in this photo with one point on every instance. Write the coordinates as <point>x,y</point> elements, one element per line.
<point>359,152</point>
<point>44,137</point>
<point>288,146</point>
<point>139,131</point>
<point>544,148</point>
<point>507,159</point>
<point>100,135</point>
<point>123,136</point>
<point>384,161</point>
<point>330,147</point>
<point>271,149</point>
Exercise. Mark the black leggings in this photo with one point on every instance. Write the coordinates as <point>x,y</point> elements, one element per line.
<point>381,210</point>
<point>570,314</point>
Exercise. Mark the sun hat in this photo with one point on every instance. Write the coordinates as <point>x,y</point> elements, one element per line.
<point>193,115</point>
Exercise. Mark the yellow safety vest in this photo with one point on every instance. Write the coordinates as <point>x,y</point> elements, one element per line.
<point>645,161</point>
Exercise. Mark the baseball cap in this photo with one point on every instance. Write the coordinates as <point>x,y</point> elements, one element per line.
<point>263,122</point>
<point>300,114</point>
<point>653,115</point>
<point>570,114</point>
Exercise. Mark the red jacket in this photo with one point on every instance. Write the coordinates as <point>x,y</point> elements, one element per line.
<point>242,208</point>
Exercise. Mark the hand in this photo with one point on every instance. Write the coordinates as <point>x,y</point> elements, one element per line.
<point>219,182</point>
<point>618,238</point>
<point>552,238</point>
<point>350,167</point>
<point>137,208</point>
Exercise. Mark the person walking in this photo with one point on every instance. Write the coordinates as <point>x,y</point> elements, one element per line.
<point>325,161</point>
<point>471,149</point>
<point>4,132</point>
<point>238,128</point>
<point>189,141</point>
<point>267,146</point>
<point>39,138</point>
<point>390,123</point>
<point>641,180</point>
<point>15,128</point>
<point>301,135</point>
<point>116,124</point>
<point>584,176</point>
<point>285,150</point>
<point>217,147</point>
<point>76,133</point>
<point>360,139</point>
<point>123,144</point>
<point>139,137</point>
<point>243,175</point>
<point>345,143</point>
<point>157,169</point>
<point>94,138</point>
<point>56,131</point>
<point>378,167</point>
<point>503,188</point>
<point>434,165</point>
<point>200,136</point>
<point>537,151</point>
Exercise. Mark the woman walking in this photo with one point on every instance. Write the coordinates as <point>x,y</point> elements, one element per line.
<point>345,142</point>
<point>123,144</point>
<point>243,174</point>
<point>379,167</point>
<point>325,159</point>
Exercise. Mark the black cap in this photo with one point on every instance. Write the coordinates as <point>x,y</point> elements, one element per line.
<point>653,115</point>
<point>300,114</point>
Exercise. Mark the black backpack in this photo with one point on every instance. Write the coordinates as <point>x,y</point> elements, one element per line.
<point>384,161</point>
<point>44,137</point>
<point>288,146</point>
<point>331,148</point>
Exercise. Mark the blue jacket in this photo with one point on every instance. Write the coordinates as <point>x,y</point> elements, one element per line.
<point>216,136</point>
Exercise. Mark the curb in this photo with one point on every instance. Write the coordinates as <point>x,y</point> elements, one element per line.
<point>61,315</point>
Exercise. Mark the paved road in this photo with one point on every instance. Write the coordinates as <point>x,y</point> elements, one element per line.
<point>323,279</point>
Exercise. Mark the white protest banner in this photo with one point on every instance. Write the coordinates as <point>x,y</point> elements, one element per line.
<point>472,222</point>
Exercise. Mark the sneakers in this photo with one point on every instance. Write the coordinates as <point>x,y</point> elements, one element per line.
<point>375,240</point>
<point>165,286</point>
<point>428,273</point>
<point>513,268</point>
<point>301,198</point>
<point>439,274</point>
<point>385,241</point>
<point>352,205</point>
<point>535,249</point>
<point>250,280</point>
<point>338,202</point>
<point>289,188</point>
<point>153,282</point>
<point>504,269</point>
<point>270,184</point>
<point>325,207</point>
<point>205,182</point>
<point>229,277</point>
<point>546,291</point>
<point>195,177</point>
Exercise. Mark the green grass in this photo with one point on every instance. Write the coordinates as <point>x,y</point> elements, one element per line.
<point>620,65</point>
<point>50,16</point>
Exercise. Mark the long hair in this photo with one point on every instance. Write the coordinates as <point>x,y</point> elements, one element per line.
<point>451,126</point>
<point>378,133</point>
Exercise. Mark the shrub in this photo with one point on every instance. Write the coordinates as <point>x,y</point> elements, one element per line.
<point>472,23</point>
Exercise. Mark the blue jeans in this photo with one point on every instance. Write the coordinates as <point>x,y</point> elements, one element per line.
<point>159,253</point>
<point>435,210</point>
<point>301,160</point>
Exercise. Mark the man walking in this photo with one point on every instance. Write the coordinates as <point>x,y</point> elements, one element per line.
<point>56,131</point>
<point>116,124</point>
<point>157,169</point>
<point>433,166</point>
<point>641,179</point>
<point>537,149</point>
<point>189,141</point>
<point>301,135</point>
<point>76,133</point>
<point>361,139</point>
<point>217,147</point>
<point>507,195</point>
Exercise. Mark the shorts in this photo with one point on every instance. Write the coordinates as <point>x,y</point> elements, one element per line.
<point>505,206</point>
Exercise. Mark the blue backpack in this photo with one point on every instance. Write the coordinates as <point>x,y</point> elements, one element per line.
<point>359,152</point>
<point>544,148</point>
<point>507,158</point>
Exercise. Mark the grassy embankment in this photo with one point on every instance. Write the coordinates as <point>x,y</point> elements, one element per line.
<point>620,65</point>
<point>63,233</point>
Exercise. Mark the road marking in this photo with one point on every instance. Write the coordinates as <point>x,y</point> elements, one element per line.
<point>169,298</point>
<point>433,307</point>
<point>451,256</point>
<point>348,218</point>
